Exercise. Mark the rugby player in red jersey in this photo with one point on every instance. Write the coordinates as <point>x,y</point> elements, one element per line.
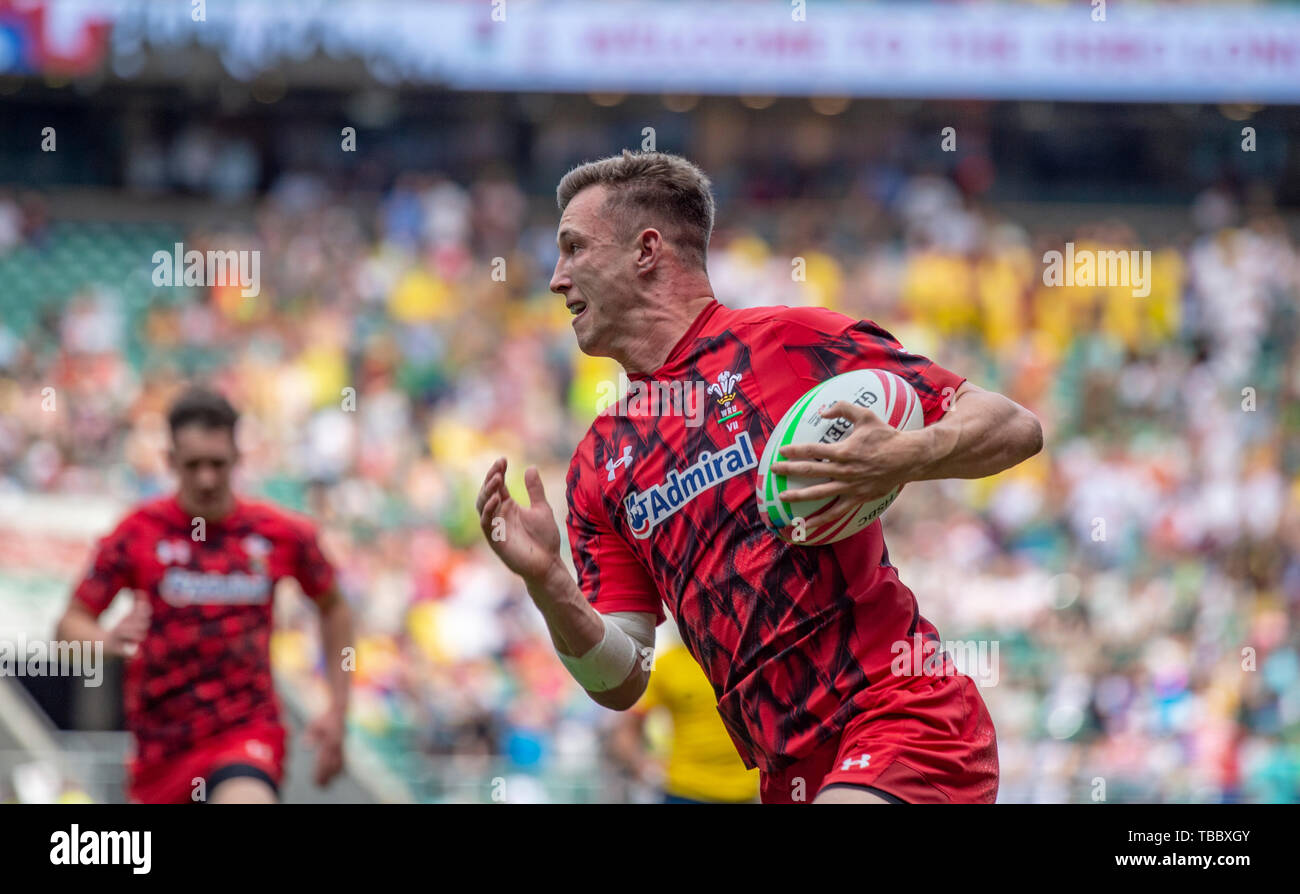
<point>798,642</point>
<point>203,564</point>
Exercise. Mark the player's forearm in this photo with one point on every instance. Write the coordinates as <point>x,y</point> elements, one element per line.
<point>982,434</point>
<point>577,629</point>
<point>574,625</point>
<point>337,635</point>
<point>78,626</point>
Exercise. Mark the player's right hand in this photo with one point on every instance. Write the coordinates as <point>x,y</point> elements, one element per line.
<point>127,634</point>
<point>527,540</point>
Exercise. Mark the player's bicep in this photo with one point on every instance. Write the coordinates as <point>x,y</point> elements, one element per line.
<point>609,573</point>
<point>329,599</point>
<point>936,387</point>
<point>964,390</point>
<point>314,572</point>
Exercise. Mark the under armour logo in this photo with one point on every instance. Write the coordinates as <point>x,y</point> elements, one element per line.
<point>625,460</point>
<point>173,552</point>
<point>862,762</point>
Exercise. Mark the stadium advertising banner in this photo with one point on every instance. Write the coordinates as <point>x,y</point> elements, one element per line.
<point>1078,51</point>
<point>30,43</point>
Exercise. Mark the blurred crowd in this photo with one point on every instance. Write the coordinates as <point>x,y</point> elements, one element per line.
<point>1140,578</point>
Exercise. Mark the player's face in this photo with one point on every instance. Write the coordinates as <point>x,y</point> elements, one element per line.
<point>203,459</point>
<point>595,273</point>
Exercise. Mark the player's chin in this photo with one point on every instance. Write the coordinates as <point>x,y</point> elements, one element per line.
<point>589,340</point>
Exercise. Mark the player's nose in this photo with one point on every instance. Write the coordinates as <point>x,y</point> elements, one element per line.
<point>560,281</point>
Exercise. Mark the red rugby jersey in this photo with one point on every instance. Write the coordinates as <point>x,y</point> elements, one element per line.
<point>205,664</point>
<point>792,638</point>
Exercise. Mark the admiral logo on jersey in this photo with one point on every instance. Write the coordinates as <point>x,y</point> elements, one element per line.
<point>648,509</point>
<point>183,587</point>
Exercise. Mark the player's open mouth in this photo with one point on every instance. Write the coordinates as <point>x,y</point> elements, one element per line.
<point>577,307</point>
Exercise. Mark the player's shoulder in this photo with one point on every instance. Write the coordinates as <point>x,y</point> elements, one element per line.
<point>816,320</point>
<point>599,440</point>
<point>153,513</point>
<point>585,456</point>
<point>265,514</point>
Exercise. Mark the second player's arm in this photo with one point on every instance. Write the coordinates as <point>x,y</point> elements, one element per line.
<point>329,729</point>
<point>336,635</point>
<point>79,624</point>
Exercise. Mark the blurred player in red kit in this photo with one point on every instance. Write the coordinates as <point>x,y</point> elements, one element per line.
<point>799,642</point>
<point>203,564</point>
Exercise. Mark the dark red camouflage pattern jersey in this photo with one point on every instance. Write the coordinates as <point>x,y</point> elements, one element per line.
<point>205,665</point>
<point>794,639</point>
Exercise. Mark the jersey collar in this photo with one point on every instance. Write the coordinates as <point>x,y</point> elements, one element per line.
<point>178,512</point>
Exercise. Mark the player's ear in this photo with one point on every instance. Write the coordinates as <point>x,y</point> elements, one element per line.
<point>650,247</point>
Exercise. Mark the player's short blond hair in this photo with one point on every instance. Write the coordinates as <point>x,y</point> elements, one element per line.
<point>650,189</point>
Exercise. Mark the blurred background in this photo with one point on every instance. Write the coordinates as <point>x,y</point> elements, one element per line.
<point>1156,651</point>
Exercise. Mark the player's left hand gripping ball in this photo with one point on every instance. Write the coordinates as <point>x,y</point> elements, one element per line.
<point>839,456</point>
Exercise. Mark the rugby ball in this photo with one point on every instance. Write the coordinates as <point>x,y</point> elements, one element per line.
<point>818,522</point>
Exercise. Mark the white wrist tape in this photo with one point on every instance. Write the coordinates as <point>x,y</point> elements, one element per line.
<point>628,636</point>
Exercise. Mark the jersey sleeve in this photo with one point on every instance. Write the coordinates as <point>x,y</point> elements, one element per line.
<point>109,572</point>
<point>820,344</point>
<point>312,570</point>
<point>609,573</point>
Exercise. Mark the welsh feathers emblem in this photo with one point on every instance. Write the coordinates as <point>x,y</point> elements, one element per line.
<point>725,388</point>
<point>724,392</point>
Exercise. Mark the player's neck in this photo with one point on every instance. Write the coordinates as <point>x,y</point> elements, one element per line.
<point>213,514</point>
<point>658,330</point>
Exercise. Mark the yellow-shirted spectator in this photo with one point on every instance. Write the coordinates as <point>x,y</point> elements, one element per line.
<point>1052,320</point>
<point>1163,305</point>
<point>325,367</point>
<point>824,280</point>
<point>1121,316</point>
<point>999,284</point>
<point>595,386</point>
<point>420,297</point>
<point>938,289</point>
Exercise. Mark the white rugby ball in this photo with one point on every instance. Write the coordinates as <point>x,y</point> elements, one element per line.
<point>817,522</point>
